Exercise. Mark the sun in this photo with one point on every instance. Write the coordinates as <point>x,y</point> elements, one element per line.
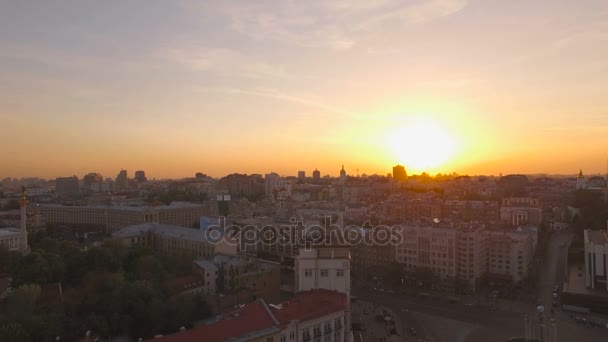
<point>422,145</point>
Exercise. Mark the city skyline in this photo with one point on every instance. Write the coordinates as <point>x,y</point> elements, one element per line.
<point>180,87</point>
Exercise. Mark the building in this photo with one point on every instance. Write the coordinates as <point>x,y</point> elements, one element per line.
<point>112,218</point>
<point>342,173</point>
<point>399,173</point>
<point>222,274</point>
<point>172,240</point>
<point>92,182</point>
<point>140,176</point>
<point>580,181</point>
<point>316,176</point>
<point>325,268</point>
<point>248,322</point>
<point>302,175</point>
<point>273,183</point>
<point>468,252</point>
<point>518,211</point>
<point>510,254</point>
<point>15,239</point>
<point>430,248</point>
<point>596,255</point>
<point>465,210</point>
<point>317,315</point>
<point>67,186</point>
<point>122,181</point>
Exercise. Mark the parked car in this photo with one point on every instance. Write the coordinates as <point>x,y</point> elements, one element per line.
<point>413,332</point>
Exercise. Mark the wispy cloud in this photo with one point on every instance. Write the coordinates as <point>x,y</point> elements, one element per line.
<point>278,95</point>
<point>332,24</point>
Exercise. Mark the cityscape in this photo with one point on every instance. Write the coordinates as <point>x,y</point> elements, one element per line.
<point>304,171</point>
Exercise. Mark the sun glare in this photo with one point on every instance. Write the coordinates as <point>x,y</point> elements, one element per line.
<point>422,145</point>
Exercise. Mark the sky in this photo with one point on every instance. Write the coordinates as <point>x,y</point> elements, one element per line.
<point>218,86</point>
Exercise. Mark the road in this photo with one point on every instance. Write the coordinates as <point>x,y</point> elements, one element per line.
<point>439,321</point>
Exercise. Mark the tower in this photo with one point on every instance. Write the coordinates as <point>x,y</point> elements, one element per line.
<point>23,245</point>
<point>580,181</point>
<point>342,173</point>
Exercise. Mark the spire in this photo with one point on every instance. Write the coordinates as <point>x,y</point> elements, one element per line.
<point>580,173</point>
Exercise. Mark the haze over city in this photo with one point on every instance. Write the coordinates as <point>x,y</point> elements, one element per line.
<point>175,87</point>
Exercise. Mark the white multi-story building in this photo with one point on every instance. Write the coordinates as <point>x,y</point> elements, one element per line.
<point>596,255</point>
<point>325,268</point>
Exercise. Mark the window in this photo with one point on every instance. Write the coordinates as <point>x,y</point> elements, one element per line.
<point>324,273</point>
<point>270,339</point>
<point>292,335</point>
<point>283,338</point>
<point>339,273</point>
<point>308,272</point>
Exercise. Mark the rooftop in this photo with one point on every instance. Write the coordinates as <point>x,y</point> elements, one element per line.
<point>309,305</point>
<point>599,237</point>
<point>243,323</point>
<point>173,205</point>
<point>167,230</point>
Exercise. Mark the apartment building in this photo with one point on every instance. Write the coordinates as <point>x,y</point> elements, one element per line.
<point>510,254</point>
<point>112,218</point>
<point>432,248</point>
<point>468,252</point>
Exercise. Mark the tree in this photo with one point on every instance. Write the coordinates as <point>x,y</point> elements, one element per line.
<point>13,332</point>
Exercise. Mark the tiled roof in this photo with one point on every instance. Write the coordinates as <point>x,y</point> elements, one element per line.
<point>309,305</point>
<point>245,323</point>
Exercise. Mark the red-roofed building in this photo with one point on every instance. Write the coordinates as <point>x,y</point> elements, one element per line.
<point>315,316</point>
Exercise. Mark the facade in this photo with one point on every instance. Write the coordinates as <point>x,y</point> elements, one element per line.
<point>122,181</point>
<point>510,254</point>
<point>468,252</point>
<point>10,238</point>
<point>172,240</point>
<point>432,248</point>
<point>478,211</point>
<point>596,252</point>
<point>301,175</point>
<point>112,218</point>
<point>518,211</point>
<point>67,186</point>
<point>580,181</point>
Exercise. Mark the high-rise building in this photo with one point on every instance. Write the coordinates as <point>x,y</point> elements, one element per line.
<point>301,175</point>
<point>67,186</point>
<point>140,176</point>
<point>316,175</point>
<point>399,173</point>
<point>92,181</point>
<point>122,181</point>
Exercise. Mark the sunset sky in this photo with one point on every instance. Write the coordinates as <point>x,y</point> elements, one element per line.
<point>176,87</point>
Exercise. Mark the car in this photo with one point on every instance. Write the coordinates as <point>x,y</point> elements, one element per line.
<point>413,332</point>
<point>556,288</point>
<point>554,295</point>
<point>390,292</point>
<point>404,310</point>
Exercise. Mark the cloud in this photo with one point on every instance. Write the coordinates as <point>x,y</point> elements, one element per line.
<point>278,95</point>
<point>335,24</point>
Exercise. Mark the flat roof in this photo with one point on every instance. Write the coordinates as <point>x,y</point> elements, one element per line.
<point>191,234</point>
<point>173,205</point>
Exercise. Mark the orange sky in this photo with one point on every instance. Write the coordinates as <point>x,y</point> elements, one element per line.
<point>253,87</point>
